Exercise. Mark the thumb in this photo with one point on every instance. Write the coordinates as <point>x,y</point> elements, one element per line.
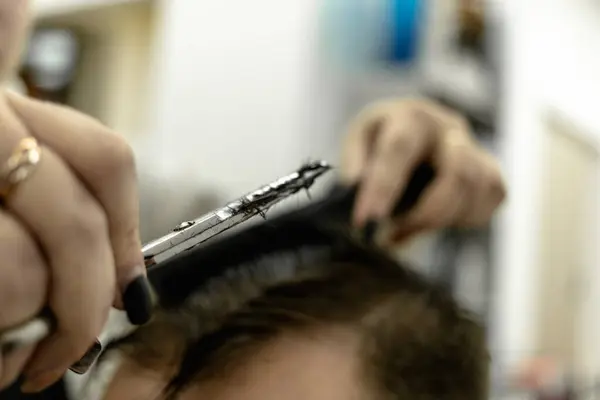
<point>14,17</point>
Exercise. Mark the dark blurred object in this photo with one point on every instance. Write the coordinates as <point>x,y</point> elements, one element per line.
<point>51,64</point>
<point>54,392</point>
<point>471,26</point>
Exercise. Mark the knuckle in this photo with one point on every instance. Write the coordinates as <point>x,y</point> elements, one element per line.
<point>497,188</point>
<point>421,111</point>
<point>462,164</point>
<point>122,153</point>
<point>115,156</point>
<point>401,144</point>
<point>415,111</point>
<point>462,149</point>
<point>383,189</point>
<point>467,176</point>
<point>492,179</point>
<point>457,120</point>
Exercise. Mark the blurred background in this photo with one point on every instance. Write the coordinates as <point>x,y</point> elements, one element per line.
<point>220,96</point>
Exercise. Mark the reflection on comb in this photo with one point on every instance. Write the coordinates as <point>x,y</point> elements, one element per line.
<point>191,233</point>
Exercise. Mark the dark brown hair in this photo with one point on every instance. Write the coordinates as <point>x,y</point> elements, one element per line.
<point>416,342</point>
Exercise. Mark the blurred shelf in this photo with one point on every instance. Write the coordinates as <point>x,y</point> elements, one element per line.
<point>53,8</point>
<point>118,39</point>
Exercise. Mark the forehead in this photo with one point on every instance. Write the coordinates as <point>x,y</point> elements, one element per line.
<point>321,364</point>
<point>318,365</point>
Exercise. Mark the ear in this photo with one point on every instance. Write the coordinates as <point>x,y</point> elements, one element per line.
<point>14,19</point>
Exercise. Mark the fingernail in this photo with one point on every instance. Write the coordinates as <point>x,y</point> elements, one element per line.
<point>39,382</point>
<point>138,300</point>
<point>369,231</point>
<point>88,359</point>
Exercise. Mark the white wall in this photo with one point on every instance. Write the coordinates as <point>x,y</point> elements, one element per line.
<point>516,239</point>
<point>235,87</point>
<point>552,61</point>
<point>570,51</point>
<point>574,28</point>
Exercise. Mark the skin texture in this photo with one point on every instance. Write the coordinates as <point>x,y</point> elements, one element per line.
<point>319,366</point>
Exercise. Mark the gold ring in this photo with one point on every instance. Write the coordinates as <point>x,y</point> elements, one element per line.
<point>19,166</point>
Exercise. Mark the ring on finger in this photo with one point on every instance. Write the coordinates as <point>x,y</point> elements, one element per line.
<point>19,166</point>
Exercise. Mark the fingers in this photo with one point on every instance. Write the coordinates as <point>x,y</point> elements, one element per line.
<point>391,139</point>
<point>450,194</point>
<point>465,193</point>
<point>23,285</point>
<point>72,231</point>
<point>105,162</point>
<point>489,193</point>
<point>403,141</point>
<point>359,144</point>
<point>11,366</point>
<point>13,24</point>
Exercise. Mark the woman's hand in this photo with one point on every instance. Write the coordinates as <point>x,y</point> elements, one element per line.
<point>390,139</point>
<point>68,223</point>
<point>71,229</point>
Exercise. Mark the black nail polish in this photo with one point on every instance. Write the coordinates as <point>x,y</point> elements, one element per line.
<point>137,301</point>
<point>88,359</point>
<point>369,231</point>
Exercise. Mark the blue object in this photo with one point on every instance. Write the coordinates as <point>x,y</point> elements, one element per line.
<point>405,16</point>
<point>355,32</point>
<point>363,35</point>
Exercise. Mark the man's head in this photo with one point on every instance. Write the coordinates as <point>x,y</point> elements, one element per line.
<point>312,323</point>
